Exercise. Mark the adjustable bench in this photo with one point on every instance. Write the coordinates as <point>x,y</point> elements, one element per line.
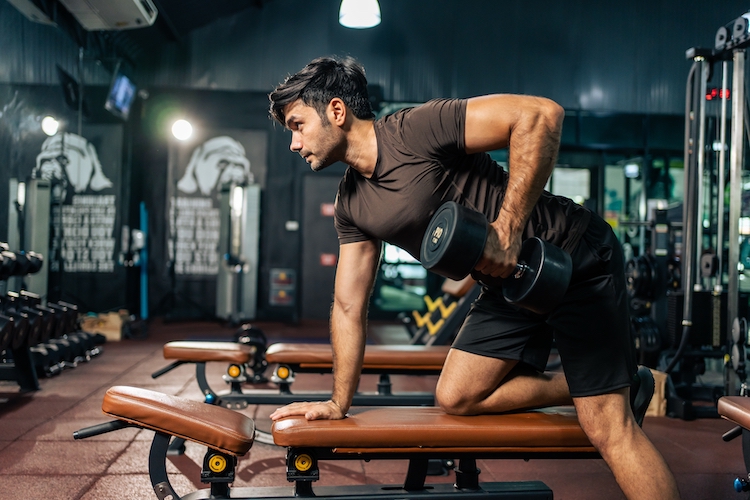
<point>290,359</point>
<point>736,409</point>
<point>416,434</point>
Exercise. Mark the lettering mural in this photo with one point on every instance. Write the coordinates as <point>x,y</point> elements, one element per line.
<point>201,168</point>
<point>84,210</point>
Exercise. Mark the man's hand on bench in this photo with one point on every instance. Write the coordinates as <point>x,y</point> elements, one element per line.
<point>325,410</point>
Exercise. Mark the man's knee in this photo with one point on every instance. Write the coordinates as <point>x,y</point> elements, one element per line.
<point>452,400</point>
<point>605,419</point>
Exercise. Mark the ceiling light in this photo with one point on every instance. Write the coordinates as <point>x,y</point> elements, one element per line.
<point>359,14</point>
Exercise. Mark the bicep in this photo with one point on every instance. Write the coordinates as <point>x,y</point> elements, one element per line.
<point>355,273</point>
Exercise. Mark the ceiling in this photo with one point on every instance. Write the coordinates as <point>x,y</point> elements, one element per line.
<point>176,19</point>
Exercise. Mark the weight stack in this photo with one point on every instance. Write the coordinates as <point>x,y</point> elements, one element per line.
<point>709,318</point>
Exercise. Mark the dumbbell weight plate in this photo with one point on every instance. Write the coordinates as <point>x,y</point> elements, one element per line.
<point>454,241</point>
<point>20,332</point>
<point>739,330</point>
<point>540,286</point>
<point>7,328</point>
<point>738,356</point>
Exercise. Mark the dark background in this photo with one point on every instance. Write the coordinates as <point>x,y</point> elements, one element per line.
<point>619,69</point>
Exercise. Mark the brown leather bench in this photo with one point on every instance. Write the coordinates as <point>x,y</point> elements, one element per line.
<point>290,359</point>
<point>736,409</point>
<point>311,357</point>
<point>392,359</point>
<point>195,351</point>
<point>415,434</point>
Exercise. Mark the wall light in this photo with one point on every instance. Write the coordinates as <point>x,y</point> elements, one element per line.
<point>50,126</point>
<point>359,14</point>
<point>182,130</point>
<point>632,170</point>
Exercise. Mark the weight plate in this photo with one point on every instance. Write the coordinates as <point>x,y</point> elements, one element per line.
<point>543,283</point>
<point>6,331</point>
<point>20,333</point>
<point>738,356</point>
<point>736,331</point>
<point>454,241</point>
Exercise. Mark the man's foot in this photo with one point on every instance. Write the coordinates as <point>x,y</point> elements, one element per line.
<point>641,392</point>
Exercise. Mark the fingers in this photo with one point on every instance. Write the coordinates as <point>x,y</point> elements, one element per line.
<point>500,255</point>
<point>311,411</point>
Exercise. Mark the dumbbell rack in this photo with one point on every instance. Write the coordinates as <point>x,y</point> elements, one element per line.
<point>37,339</point>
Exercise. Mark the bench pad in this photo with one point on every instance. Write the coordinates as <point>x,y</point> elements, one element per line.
<point>424,429</point>
<point>216,427</point>
<point>735,409</point>
<point>382,357</point>
<point>194,351</point>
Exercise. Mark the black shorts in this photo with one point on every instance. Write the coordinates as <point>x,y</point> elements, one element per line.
<point>591,324</point>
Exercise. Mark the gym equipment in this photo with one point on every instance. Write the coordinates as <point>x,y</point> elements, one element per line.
<point>292,359</point>
<point>454,242</point>
<point>439,325</point>
<point>236,281</point>
<point>736,409</point>
<point>37,339</point>
<point>414,434</point>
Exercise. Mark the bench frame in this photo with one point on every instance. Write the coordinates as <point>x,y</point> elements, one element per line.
<point>227,439</point>
<point>466,486</point>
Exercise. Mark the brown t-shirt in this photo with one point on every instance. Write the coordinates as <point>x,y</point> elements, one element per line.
<point>421,165</point>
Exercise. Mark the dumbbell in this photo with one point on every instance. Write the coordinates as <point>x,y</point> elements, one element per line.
<point>7,329</point>
<point>454,243</point>
<point>13,304</point>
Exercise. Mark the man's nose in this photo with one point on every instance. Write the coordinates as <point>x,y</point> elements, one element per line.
<point>296,144</point>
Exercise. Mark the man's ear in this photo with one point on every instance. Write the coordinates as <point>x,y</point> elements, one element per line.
<point>337,111</point>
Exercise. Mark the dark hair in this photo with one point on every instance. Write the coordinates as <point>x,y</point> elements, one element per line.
<point>320,81</point>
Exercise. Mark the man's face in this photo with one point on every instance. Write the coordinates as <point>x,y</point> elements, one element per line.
<point>315,139</point>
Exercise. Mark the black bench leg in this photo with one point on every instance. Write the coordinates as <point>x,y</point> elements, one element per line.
<point>157,467</point>
<point>416,474</point>
<point>467,474</point>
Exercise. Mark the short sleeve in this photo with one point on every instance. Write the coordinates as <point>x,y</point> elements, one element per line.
<point>346,230</point>
<point>435,129</point>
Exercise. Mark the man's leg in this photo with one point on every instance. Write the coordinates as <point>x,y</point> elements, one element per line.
<point>636,464</point>
<point>471,384</point>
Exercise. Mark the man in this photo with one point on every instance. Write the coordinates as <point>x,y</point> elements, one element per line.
<point>402,168</point>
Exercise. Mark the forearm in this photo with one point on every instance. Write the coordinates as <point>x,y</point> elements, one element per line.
<point>348,335</point>
<point>532,154</point>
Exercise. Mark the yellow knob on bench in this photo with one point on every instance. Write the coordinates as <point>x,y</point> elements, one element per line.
<point>234,371</point>
<point>282,372</point>
<point>303,462</point>
<point>217,463</point>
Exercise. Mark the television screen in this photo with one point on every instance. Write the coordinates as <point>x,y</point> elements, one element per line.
<point>121,96</point>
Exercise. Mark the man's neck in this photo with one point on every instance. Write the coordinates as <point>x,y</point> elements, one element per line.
<point>362,147</point>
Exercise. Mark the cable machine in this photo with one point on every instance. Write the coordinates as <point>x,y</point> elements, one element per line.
<point>687,306</point>
<point>710,261</point>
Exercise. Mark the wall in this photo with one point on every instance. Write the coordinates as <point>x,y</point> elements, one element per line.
<point>587,54</point>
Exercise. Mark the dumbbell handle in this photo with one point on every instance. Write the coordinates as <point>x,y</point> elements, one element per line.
<point>521,268</point>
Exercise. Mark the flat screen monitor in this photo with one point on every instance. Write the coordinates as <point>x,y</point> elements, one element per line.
<point>120,96</point>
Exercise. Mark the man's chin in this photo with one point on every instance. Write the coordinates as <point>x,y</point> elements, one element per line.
<point>317,166</point>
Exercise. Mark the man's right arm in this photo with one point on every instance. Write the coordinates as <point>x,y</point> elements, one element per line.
<point>355,276</point>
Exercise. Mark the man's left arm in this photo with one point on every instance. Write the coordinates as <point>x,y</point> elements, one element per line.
<point>530,127</point>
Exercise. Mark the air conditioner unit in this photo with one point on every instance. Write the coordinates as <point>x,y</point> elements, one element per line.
<point>107,15</point>
<point>31,11</point>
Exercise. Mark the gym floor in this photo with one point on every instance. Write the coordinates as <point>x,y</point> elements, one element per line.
<point>40,460</point>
